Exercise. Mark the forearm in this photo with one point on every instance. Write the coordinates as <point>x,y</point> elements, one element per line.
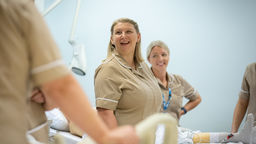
<point>108,117</point>
<point>238,115</point>
<point>70,98</point>
<point>192,104</point>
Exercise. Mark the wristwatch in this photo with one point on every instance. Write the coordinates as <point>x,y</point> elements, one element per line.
<point>185,111</point>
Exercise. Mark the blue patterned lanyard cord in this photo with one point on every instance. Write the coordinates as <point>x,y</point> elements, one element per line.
<point>166,104</point>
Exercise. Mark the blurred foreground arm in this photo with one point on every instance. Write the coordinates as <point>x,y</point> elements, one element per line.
<point>67,94</point>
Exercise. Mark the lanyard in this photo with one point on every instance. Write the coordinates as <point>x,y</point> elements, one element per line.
<point>166,104</point>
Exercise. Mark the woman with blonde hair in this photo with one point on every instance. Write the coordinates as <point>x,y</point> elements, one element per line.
<point>125,89</point>
<point>173,86</point>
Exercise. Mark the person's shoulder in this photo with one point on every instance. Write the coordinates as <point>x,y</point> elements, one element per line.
<point>250,69</point>
<point>12,3</point>
<point>145,68</point>
<point>176,77</point>
<point>17,10</point>
<point>144,65</point>
<point>252,65</point>
<point>110,61</point>
<point>108,66</point>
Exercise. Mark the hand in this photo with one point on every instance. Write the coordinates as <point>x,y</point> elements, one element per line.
<point>122,135</point>
<point>39,97</point>
<point>181,112</point>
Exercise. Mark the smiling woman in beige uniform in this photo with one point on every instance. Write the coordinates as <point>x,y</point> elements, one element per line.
<point>173,86</point>
<point>126,91</point>
<point>30,58</point>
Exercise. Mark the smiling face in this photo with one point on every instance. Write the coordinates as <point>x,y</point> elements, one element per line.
<point>159,58</point>
<point>124,38</point>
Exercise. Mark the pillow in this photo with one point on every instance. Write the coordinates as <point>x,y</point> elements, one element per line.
<point>58,120</point>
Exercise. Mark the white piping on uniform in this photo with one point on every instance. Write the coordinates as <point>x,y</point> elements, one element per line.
<point>107,100</point>
<point>37,128</point>
<point>47,66</point>
<point>30,138</point>
<point>243,91</point>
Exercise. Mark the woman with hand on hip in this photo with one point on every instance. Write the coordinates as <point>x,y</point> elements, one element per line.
<point>173,86</point>
<point>125,89</point>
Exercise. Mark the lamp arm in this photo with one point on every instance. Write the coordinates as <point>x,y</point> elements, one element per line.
<point>51,7</point>
<point>71,37</point>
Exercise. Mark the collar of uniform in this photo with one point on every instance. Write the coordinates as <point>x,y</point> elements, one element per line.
<point>123,62</point>
<point>169,80</point>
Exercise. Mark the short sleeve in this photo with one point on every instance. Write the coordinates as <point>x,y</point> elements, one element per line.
<point>107,87</point>
<point>189,92</point>
<point>45,60</point>
<point>244,92</point>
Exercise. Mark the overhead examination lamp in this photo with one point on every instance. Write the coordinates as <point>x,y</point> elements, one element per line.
<point>78,62</point>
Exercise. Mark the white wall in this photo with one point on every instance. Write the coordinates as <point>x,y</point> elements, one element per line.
<point>211,42</point>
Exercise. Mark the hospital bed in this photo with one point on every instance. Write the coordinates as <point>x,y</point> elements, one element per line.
<point>162,129</point>
<point>146,130</point>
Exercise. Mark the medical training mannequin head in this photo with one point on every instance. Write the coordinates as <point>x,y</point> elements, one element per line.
<point>125,39</point>
<point>158,56</point>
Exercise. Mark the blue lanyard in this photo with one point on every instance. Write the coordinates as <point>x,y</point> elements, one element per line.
<point>166,104</point>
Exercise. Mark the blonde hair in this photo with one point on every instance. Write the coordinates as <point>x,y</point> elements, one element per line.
<point>157,43</point>
<point>137,54</point>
